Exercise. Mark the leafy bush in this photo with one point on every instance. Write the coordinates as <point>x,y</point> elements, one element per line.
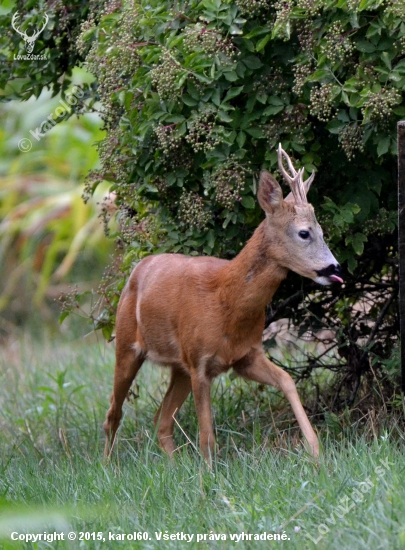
<point>195,98</point>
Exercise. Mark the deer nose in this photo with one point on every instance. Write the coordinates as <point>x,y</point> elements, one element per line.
<point>332,272</point>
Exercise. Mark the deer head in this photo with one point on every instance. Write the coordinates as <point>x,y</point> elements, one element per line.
<point>29,40</point>
<point>292,228</point>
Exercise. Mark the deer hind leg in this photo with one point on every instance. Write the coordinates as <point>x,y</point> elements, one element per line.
<point>126,368</point>
<point>258,368</point>
<point>177,392</point>
<point>129,359</point>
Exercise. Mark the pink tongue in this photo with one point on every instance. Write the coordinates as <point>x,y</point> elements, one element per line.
<point>335,278</point>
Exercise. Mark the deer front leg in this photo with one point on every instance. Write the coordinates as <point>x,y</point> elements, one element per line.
<point>257,367</point>
<point>201,386</point>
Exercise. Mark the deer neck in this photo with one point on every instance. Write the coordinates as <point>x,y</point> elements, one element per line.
<point>251,279</point>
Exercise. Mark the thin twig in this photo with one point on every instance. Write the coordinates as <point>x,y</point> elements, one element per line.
<point>182,431</point>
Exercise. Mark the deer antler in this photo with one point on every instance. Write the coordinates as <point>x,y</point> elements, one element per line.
<point>299,188</point>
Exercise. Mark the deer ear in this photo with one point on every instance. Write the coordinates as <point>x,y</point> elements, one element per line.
<point>269,193</point>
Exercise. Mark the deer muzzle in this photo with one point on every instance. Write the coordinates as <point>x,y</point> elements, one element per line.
<point>330,274</point>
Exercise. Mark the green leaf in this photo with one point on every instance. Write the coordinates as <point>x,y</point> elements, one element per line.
<point>249,45</point>
<point>357,241</point>
<point>386,59</point>
<point>262,43</point>
<point>248,202</point>
<point>258,31</point>
<point>235,30</point>
<point>351,264</point>
<point>399,111</point>
<point>351,85</point>
<point>182,129</point>
<point>216,97</point>
<point>223,115</point>
<point>273,109</point>
<point>383,146</point>
<point>211,238</point>
<point>339,219</point>
<point>319,75</point>
<point>63,316</point>
<point>241,138</point>
<point>400,67</point>
<point>334,126</point>
<point>275,100</point>
<point>252,62</point>
<point>233,92</point>
<point>343,115</point>
<point>369,4</point>
<point>227,220</point>
<point>374,28</point>
<point>188,100</point>
<point>107,331</point>
<point>250,103</point>
<point>255,132</point>
<point>231,76</point>
<point>193,90</point>
<point>365,46</point>
<point>175,118</point>
<point>230,137</point>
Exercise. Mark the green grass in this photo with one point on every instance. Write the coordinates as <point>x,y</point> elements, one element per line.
<point>54,396</point>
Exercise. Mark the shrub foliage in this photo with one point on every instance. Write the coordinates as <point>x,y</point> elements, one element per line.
<point>195,97</point>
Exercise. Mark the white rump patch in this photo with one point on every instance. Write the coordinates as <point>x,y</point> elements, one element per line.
<point>137,349</point>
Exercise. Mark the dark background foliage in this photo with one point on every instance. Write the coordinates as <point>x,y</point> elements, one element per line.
<point>195,97</point>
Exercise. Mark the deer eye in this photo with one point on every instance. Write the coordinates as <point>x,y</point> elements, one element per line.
<point>304,234</point>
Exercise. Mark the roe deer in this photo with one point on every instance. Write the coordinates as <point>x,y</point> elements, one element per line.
<point>202,316</point>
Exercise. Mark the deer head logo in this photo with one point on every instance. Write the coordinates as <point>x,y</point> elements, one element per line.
<point>29,40</point>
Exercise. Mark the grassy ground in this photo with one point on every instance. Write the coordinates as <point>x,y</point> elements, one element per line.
<point>54,396</point>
